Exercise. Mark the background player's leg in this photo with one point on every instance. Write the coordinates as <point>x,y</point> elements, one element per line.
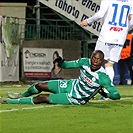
<point>110,70</point>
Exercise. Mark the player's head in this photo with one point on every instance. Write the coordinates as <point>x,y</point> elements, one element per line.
<point>97,58</point>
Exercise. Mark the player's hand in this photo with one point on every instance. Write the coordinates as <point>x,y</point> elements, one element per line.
<point>101,91</point>
<point>84,23</point>
<point>59,60</point>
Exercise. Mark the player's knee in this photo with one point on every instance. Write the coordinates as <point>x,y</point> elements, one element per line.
<point>38,86</point>
<point>41,86</point>
<point>44,97</point>
<point>109,64</point>
<point>41,98</point>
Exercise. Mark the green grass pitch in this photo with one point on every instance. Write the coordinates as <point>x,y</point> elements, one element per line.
<point>94,117</point>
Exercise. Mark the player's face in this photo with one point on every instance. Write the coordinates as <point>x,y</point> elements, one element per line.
<point>96,61</point>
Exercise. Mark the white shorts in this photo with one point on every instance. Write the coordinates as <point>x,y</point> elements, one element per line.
<point>111,51</point>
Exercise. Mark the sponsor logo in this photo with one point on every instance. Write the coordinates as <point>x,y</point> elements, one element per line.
<point>88,80</point>
<point>28,54</point>
<point>116,29</point>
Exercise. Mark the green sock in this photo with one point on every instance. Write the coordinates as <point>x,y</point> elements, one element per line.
<point>24,100</point>
<point>31,90</point>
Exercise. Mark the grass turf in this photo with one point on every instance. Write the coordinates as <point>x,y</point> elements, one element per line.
<point>94,117</point>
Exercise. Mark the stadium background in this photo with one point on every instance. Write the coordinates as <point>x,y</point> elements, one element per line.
<point>83,41</point>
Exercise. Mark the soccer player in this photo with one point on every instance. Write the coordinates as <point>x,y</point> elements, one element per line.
<point>114,15</point>
<point>73,91</point>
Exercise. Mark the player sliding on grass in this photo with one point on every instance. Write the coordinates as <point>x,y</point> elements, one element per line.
<point>74,91</point>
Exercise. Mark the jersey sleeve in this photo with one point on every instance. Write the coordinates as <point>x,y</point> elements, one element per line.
<point>75,63</point>
<point>106,83</point>
<point>97,16</point>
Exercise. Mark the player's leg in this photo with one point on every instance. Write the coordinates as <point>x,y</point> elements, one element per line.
<point>47,86</point>
<point>41,98</point>
<point>35,89</point>
<point>56,86</point>
<point>105,48</point>
<point>23,100</point>
<point>114,51</point>
<point>60,98</point>
<point>59,87</point>
<point>109,69</point>
<point>109,63</point>
<point>60,95</point>
<point>30,91</point>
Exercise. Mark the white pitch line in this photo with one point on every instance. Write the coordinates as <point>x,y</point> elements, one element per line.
<point>1,89</point>
<point>11,110</point>
<point>28,108</point>
<point>36,107</point>
<point>15,87</point>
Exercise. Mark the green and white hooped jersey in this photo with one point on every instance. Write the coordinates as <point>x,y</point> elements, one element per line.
<point>88,81</point>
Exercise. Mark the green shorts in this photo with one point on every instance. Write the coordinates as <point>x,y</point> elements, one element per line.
<point>60,92</point>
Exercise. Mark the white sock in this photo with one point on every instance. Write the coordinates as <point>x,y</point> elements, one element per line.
<point>110,72</point>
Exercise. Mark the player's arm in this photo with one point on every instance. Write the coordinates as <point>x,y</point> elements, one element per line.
<point>108,85</point>
<point>71,64</point>
<point>103,8</point>
<point>113,92</point>
<point>97,16</point>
